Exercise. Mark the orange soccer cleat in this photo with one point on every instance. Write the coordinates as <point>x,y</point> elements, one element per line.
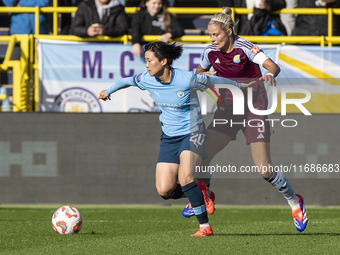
<point>300,216</point>
<point>188,211</point>
<point>204,231</point>
<point>209,201</point>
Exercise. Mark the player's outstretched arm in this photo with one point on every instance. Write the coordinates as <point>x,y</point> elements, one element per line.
<point>201,70</point>
<point>202,79</point>
<point>123,83</point>
<point>213,80</point>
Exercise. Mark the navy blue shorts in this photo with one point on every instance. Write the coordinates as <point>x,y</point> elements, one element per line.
<point>172,147</point>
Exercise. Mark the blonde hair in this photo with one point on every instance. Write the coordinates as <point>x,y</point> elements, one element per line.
<point>224,19</point>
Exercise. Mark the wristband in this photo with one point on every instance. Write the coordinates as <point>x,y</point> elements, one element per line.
<point>270,74</point>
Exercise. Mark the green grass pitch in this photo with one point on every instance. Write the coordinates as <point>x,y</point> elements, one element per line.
<point>163,230</point>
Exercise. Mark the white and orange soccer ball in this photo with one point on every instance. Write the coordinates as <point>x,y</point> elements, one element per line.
<point>67,220</point>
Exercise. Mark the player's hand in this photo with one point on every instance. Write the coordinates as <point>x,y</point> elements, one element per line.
<point>270,79</point>
<point>103,96</point>
<point>249,84</point>
<point>209,73</point>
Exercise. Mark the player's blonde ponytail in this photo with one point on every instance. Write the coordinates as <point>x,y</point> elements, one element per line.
<point>224,19</point>
<point>227,10</point>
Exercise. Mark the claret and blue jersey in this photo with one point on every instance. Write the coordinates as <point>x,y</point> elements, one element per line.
<point>177,100</point>
<point>241,64</point>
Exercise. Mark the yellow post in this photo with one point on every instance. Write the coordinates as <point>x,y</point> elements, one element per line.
<point>55,18</point>
<point>37,25</point>
<point>30,66</point>
<point>330,25</point>
<point>125,39</point>
<point>9,51</point>
<point>16,86</point>
<point>24,71</point>
<point>36,78</point>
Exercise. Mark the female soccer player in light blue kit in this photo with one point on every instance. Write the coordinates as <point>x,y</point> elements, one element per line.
<point>183,131</point>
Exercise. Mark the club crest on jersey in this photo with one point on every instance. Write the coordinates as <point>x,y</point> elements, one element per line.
<point>255,50</point>
<point>180,94</point>
<point>217,61</point>
<point>237,59</point>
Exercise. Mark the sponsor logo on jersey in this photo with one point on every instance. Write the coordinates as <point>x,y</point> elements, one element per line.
<point>180,94</point>
<point>255,50</point>
<point>217,61</point>
<point>237,59</point>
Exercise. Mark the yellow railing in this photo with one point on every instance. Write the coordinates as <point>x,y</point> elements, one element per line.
<point>322,40</point>
<point>22,92</point>
<point>329,39</point>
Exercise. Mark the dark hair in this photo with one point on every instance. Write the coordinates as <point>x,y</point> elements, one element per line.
<point>162,50</point>
<point>164,11</point>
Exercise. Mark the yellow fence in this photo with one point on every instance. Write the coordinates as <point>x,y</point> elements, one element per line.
<point>22,71</point>
<point>26,91</point>
<point>321,40</point>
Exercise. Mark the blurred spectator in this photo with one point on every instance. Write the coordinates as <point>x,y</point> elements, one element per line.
<point>316,24</point>
<point>23,23</point>
<point>100,17</point>
<point>5,104</point>
<point>4,22</point>
<point>288,19</point>
<point>153,19</point>
<point>172,3</point>
<point>262,22</point>
<point>66,18</point>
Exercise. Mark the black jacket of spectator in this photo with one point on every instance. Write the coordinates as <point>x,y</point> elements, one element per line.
<point>258,24</point>
<point>315,25</point>
<point>116,23</point>
<point>145,24</point>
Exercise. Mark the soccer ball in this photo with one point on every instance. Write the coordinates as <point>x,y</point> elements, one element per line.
<point>67,220</point>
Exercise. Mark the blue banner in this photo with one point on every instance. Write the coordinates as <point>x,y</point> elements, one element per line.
<point>72,74</point>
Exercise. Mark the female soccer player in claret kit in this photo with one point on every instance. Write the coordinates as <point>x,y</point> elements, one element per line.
<point>181,119</point>
<point>237,59</point>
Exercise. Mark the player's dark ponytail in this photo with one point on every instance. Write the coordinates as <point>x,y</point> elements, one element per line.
<point>162,50</point>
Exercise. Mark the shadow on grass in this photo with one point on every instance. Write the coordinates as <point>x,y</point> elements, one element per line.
<point>281,234</point>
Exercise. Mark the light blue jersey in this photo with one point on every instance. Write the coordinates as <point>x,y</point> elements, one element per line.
<point>177,100</point>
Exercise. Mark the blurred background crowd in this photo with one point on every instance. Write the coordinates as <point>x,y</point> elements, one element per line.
<point>108,17</point>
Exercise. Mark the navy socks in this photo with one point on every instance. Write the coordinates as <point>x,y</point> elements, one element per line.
<point>195,196</point>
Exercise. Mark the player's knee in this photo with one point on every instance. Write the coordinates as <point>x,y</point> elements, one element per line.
<point>164,192</point>
<point>166,197</point>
